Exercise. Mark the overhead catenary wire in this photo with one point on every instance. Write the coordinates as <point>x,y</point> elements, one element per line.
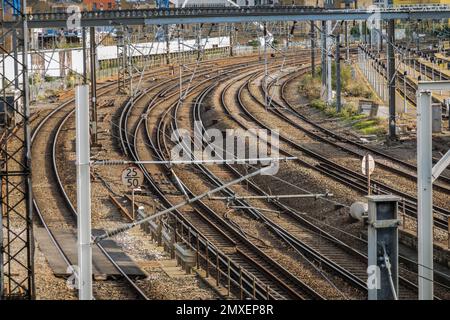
<point>129,226</point>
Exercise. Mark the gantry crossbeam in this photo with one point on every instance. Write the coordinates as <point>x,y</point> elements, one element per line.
<point>231,15</point>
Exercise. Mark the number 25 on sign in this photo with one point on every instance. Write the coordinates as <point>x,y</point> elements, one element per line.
<point>132,177</point>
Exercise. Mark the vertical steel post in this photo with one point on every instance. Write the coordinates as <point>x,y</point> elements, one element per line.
<point>167,38</point>
<point>424,195</point>
<point>83,192</point>
<point>365,31</point>
<point>380,37</point>
<point>83,39</point>
<point>313,49</point>
<point>228,277</point>
<point>405,103</point>
<point>27,147</point>
<point>338,72</point>
<point>329,63</point>
<point>266,71</point>
<point>93,54</point>
<point>391,79</point>
<point>16,56</point>
<point>347,47</point>
<point>324,59</point>
<point>231,39</point>
<point>369,189</point>
<point>16,242</point>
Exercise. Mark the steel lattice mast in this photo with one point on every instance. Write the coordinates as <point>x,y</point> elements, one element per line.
<point>17,274</point>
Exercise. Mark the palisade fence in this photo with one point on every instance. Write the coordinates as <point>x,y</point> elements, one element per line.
<point>108,69</point>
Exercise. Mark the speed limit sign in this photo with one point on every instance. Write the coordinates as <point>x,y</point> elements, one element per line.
<point>132,177</point>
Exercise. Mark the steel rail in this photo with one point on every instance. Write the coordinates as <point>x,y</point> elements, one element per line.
<point>405,282</point>
<point>345,140</point>
<point>292,240</point>
<point>36,131</point>
<point>151,140</point>
<point>211,176</point>
<point>346,175</point>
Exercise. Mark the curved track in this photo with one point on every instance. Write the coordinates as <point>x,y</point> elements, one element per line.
<point>226,241</point>
<point>51,202</point>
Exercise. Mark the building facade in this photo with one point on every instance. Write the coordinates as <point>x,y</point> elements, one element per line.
<point>420,2</point>
<point>98,5</point>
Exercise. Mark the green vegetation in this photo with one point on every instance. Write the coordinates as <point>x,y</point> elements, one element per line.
<point>370,126</point>
<point>71,79</point>
<point>253,43</point>
<point>359,90</point>
<point>349,114</point>
<point>354,31</point>
<point>310,88</point>
<point>50,78</point>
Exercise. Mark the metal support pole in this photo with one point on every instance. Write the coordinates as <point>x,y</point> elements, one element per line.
<point>324,60</point>
<point>167,38</point>
<point>338,72</point>
<point>27,149</point>
<point>329,63</point>
<point>83,40</point>
<point>228,277</point>
<point>199,41</point>
<point>347,48</point>
<point>376,81</point>
<point>83,192</point>
<point>93,53</point>
<point>447,104</point>
<point>369,188</point>
<point>365,31</point>
<point>380,37</point>
<point>266,71</point>
<point>231,39</point>
<point>16,56</point>
<point>424,195</point>
<point>391,79</point>
<point>405,103</point>
<point>313,49</point>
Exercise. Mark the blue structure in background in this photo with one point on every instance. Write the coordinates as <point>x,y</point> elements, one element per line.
<point>14,4</point>
<point>162,4</point>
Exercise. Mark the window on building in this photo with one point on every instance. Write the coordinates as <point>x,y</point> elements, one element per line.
<point>109,5</point>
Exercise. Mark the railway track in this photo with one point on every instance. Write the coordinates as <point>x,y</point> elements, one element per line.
<point>409,290</point>
<point>50,200</point>
<point>340,173</point>
<point>290,239</point>
<point>330,247</point>
<point>205,225</point>
<point>50,195</point>
<point>239,263</point>
<point>388,162</point>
